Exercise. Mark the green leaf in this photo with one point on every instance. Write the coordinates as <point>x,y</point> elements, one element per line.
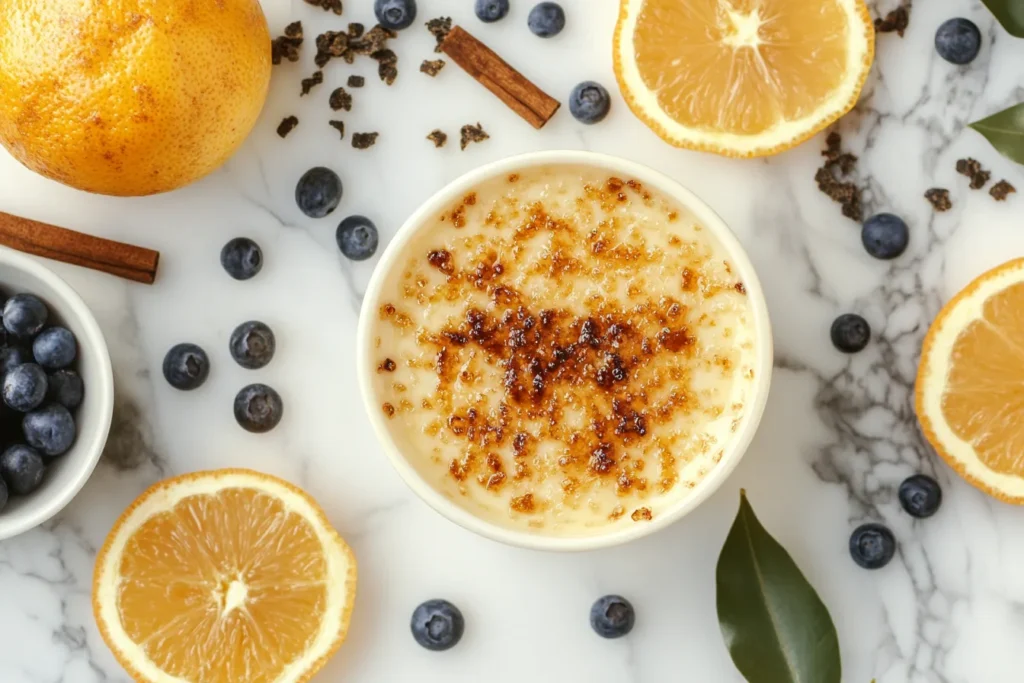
<point>776,627</point>
<point>1005,130</point>
<point>1010,14</point>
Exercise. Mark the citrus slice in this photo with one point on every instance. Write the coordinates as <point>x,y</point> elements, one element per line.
<point>742,78</point>
<point>970,383</point>
<point>229,576</point>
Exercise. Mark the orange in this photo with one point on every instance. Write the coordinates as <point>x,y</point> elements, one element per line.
<point>970,383</point>
<point>229,576</point>
<point>130,97</point>
<point>741,78</point>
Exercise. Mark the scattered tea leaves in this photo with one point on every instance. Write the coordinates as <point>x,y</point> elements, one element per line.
<point>1001,190</point>
<point>387,65</point>
<point>439,28</point>
<point>837,164</point>
<point>438,137</point>
<point>471,133</point>
<point>1005,130</point>
<point>939,199</point>
<point>356,81</point>
<point>287,125</point>
<point>895,21</point>
<point>348,44</point>
<point>432,67</point>
<point>338,126</point>
<point>340,100</point>
<point>364,140</point>
<point>327,5</point>
<point>287,46</point>
<point>972,169</point>
<point>1010,14</point>
<point>773,622</point>
<point>309,83</point>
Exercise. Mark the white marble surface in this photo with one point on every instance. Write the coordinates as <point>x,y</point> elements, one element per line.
<point>837,438</point>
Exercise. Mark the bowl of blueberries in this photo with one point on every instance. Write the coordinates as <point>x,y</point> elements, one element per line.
<point>56,393</point>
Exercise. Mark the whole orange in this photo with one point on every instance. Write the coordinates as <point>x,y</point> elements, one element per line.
<point>130,97</point>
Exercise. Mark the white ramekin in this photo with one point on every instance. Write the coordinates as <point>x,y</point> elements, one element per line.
<point>67,474</point>
<point>424,216</point>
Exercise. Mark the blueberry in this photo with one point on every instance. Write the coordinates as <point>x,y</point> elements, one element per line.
<point>589,102</point>
<point>186,367</point>
<point>357,237</point>
<point>22,469</point>
<point>958,41</point>
<point>885,236</point>
<point>24,315</point>
<point>395,14</point>
<point>920,496</point>
<point>850,333</point>
<point>258,408</point>
<point>11,357</point>
<point>546,19</point>
<point>242,258</point>
<point>437,625</point>
<point>490,11</point>
<point>252,344</point>
<point>55,348</point>
<point>612,616</point>
<point>318,192</point>
<point>872,546</point>
<point>50,430</point>
<point>24,387</point>
<point>66,388</point>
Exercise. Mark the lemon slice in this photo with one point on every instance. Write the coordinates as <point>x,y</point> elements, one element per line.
<point>742,78</point>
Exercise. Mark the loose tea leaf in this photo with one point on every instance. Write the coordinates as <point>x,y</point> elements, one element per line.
<point>776,627</point>
<point>1010,14</point>
<point>1005,130</point>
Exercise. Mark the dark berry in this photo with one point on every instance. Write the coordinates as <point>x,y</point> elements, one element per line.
<point>546,19</point>
<point>872,546</point>
<point>437,625</point>
<point>55,348</point>
<point>920,496</point>
<point>24,387</point>
<point>589,102</point>
<point>186,367</point>
<point>357,238</point>
<point>958,41</point>
<point>66,388</point>
<point>11,357</point>
<point>318,192</point>
<point>850,333</point>
<point>242,258</point>
<point>252,344</point>
<point>490,11</point>
<point>24,315</point>
<point>612,616</point>
<point>258,408</point>
<point>50,430</point>
<point>21,468</point>
<point>885,236</point>
<point>395,14</point>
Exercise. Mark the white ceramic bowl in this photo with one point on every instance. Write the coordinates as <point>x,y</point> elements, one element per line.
<point>620,167</point>
<point>67,474</point>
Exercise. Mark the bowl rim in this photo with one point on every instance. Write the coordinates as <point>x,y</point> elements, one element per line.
<point>29,518</point>
<point>707,217</point>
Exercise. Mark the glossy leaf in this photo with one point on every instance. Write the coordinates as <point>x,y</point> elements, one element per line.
<point>1005,131</point>
<point>776,627</point>
<point>1010,14</point>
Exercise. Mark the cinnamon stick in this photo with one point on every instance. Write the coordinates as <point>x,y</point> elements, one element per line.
<point>60,244</point>
<point>494,73</point>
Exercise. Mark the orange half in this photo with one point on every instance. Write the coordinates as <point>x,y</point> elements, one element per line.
<point>742,77</point>
<point>970,383</point>
<point>229,576</point>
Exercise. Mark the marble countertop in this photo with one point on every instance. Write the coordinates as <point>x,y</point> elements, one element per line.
<point>838,436</point>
